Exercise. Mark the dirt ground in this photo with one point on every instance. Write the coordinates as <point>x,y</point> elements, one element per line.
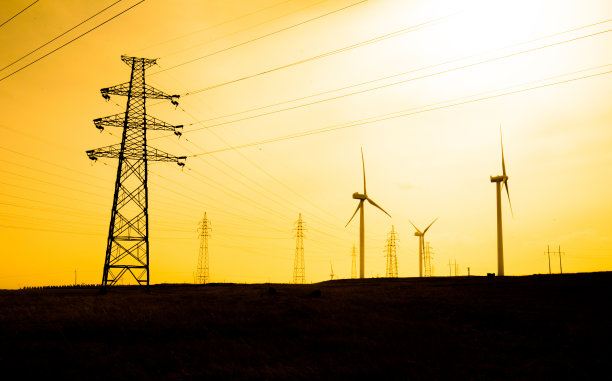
<point>531,327</point>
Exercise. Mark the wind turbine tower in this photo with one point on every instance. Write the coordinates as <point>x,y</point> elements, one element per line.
<point>500,182</point>
<point>421,235</point>
<point>202,271</point>
<point>299,271</point>
<point>391,253</point>
<point>362,198</point>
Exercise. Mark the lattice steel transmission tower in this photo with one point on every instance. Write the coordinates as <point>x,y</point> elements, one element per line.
<point>299,272</point>
<point>354,264</point>
<point>127,249</point>
<point>427,257</point>
<point>202,271</point>
<point>391,253</point>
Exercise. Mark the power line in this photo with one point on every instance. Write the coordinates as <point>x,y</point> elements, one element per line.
<point>18,13</point>
<point>60,35</point>
<point>323,55</point>
<point>260,169</point>
<point>266,191</point>
<point>212,26</point>
<point>71,41</point>
<point>397,83</point>
<point>406,72</point>
<point>260,37</point>
<point>384,117</point>
<point>242,30</point>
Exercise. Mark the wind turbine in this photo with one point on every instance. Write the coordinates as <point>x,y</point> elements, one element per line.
<point>503,179</point>
<point>362,198</point>
<point>421,235</point>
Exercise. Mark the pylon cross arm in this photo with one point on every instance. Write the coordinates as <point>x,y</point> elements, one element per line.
<point>151,123</point>
<point>152,154</point>
<point>124,89</point>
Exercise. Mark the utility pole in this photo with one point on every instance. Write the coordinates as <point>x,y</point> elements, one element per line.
<point>468,269</point>
<point>560,264</point>
<point>455,267</point>
<point>331,275</point>
<point>548,251</point>
<point>354,264</point>
<point>202,269</point>
<point>450,271</point>
<point>392,254</point>
<point>127,248</point>
<point>299,271</point>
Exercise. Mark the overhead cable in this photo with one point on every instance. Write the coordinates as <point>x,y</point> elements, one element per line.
<point>60,35</point>
<point>18,13</point>
<point>71,41</point>
<point>401,114</point>
<point>260,37</point>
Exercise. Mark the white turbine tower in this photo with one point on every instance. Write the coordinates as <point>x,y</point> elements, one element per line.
<point>503,179</point>
<point>362,198</point>
<point>421,235</point>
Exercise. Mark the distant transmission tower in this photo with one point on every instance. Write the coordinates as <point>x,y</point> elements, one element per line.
<point>391,254</point>
<point>427,257</point>
<point>202,271</point>
<point>127,249</point>
<point>354,264</point>
<point>299,276</point>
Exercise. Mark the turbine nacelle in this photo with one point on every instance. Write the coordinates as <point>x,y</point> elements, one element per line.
<point>359,196</point>
<point>497,179</point>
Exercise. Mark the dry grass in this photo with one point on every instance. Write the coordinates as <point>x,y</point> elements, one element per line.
<point>538,327</point>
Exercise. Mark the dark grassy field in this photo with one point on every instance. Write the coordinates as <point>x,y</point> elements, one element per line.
<point>534,327</point>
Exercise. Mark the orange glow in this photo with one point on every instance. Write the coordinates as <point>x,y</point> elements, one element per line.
<point>433,162</point>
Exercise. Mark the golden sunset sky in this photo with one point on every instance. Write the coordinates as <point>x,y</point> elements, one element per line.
<point>423,86</point>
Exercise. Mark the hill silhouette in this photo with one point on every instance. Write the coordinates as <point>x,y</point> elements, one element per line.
<point>531,327</point>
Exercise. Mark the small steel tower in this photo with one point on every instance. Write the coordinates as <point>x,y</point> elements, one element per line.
<point>354,264</point>
<point>427,257</point>
<point>391,253</point>
<point>202,271</point>
<point>299,274</point>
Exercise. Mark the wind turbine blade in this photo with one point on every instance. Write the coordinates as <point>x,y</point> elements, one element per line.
<point>378,206</point>
<point>364,180</point>
<point>508,193</point>
<point>502,152</point>
<point>353,216</point>
<point>427,228</point>
<point>415,228</point>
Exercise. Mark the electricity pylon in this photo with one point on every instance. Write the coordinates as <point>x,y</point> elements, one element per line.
<point>299,275</point>
<point>392,253</point>
<point>427,256</point>
<point>354,264</point>
<point>202,271</point>
<point>127,248</point>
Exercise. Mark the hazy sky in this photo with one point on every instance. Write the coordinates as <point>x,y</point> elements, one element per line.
<point>425,103</point>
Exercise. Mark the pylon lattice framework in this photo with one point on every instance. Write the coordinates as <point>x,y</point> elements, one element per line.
<point>354,263</point>
<point>391,253</point>
<point>299,271</point>
<point>127,249</point>
<point>202,269</point>
<point>427,257</point>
